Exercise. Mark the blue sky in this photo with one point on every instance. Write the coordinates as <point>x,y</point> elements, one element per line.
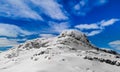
<point>22,20</point>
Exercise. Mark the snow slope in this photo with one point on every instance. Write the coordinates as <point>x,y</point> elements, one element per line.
<point>71,51</point>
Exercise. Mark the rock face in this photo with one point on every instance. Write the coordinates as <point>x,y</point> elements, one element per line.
<point>70,51</point>
<point>74,33</point>
<point>73,38</point>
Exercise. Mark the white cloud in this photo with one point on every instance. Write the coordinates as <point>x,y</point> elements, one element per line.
<point>22,9</point>
<point>97,27</point>
<point>12,30</point>
<point>47,35</point>
<point>92,33</point>
<point>17,9</point>
<point>33,9</point>
<point>115,44</point>
<point>51,8</point>
<point>18,39</point>
<point>87,26</point>
<point>4,42</point>
<point>58,27</point>
<point>109,22</point>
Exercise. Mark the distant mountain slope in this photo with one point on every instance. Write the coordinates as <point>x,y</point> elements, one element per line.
<point>71,51</point>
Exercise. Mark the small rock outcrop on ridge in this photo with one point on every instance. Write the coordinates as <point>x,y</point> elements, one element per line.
<point>73,38</point>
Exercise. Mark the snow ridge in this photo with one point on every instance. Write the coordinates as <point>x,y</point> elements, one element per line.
<point>71,51</point>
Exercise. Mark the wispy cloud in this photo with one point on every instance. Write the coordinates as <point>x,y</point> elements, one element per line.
<point>22,9</point>
<point>17,9</point>
<point>92,33</point>
<point>108,22</point>
<point>4,42</point>
<point>47,35</point>
<point>12,30</point>
<point>87,26</point>
<point>18,39</point>
<point>51,8</point>
<point>58,27</point>
<point>115,44</point>
<point>97,27</point>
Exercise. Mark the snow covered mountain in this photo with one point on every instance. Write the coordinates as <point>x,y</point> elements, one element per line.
<point>71,51</point>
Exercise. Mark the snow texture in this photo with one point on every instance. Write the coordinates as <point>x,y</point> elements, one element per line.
<point>71,51</point>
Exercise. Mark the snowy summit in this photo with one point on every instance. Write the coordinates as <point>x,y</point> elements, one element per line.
<point>71,51</point>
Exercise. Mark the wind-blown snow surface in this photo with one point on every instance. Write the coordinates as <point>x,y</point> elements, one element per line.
<point>71,51</point>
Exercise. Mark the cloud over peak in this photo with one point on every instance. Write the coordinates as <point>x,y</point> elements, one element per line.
<point>58,27</point>
<point>46,35</point>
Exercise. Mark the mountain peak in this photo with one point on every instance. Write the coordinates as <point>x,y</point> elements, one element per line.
<point>70,38</point>
<point>75,34</point>
<point>70,51</point>
<point>72,33</point>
